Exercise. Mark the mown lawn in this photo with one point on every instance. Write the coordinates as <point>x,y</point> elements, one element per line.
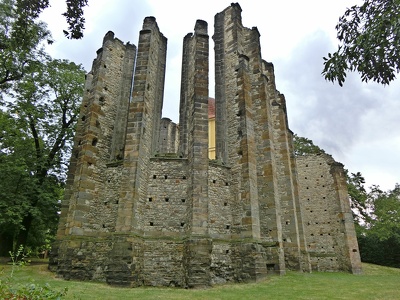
<point>376,282</point>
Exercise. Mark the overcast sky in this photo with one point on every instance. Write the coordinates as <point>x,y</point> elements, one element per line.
<point>358,124</point>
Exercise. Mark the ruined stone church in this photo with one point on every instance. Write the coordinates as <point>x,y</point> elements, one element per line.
<point>144,203</point>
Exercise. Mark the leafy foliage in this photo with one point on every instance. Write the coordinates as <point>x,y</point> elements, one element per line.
<point>22,41</point>
<point>377,214</point>
<point>23,36</point>
<point>75,19</point>
<point>31,9</point>
<point>10,288</point>
<point>303,146</point>
<point>29,291</point>
<point>369,37</point>
<point>36,130</point>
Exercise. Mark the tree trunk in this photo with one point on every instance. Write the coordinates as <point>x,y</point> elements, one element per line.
<point>23,234</point>
<point>6,244</point>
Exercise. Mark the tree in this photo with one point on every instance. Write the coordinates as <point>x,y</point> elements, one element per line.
<point>304,146</point>
<point>35,138</point>
<point>358,197</point>
<point>377,216</point>
<point>28,10</point>
<point>21,45</point>
<point>386,220</point>
<point>369,37</point>
<point>379,237</point>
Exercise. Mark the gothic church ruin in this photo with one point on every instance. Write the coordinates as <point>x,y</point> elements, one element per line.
<point>144,204</point>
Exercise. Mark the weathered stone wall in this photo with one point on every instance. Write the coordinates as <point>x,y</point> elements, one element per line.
<point>222,203</point>
<point>327,217</point>
<point>168,141</point>
<point>164,212</point>
<point>144,204</point>
<point>164,263</point>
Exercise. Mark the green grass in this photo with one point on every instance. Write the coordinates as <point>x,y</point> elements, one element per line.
<point>376,282</point>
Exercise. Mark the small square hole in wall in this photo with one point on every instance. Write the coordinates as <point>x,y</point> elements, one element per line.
<point>225,203</point>
<point>182,224</point>
<point>151,224</point>
<point>270,266</point>
<point>183,177</point>
<point>165,177</point>
<point>116,201</point>
<point>183,200</point>
<point>214,181</point>
<point>228,226</point>
<point>226,183</point>
<point>166,199</point>
<point>154,176</point>
<point>226,251</point>
<point>150,199</point>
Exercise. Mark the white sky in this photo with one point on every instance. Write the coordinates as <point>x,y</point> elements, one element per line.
<point>358,124</point>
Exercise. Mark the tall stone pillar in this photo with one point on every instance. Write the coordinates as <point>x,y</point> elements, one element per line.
<point>292,229</point>
<point>349,259</point>
<point>236,144</point>
<point>269,198</point>
<point>195,102</point>
<point>143,123</point>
